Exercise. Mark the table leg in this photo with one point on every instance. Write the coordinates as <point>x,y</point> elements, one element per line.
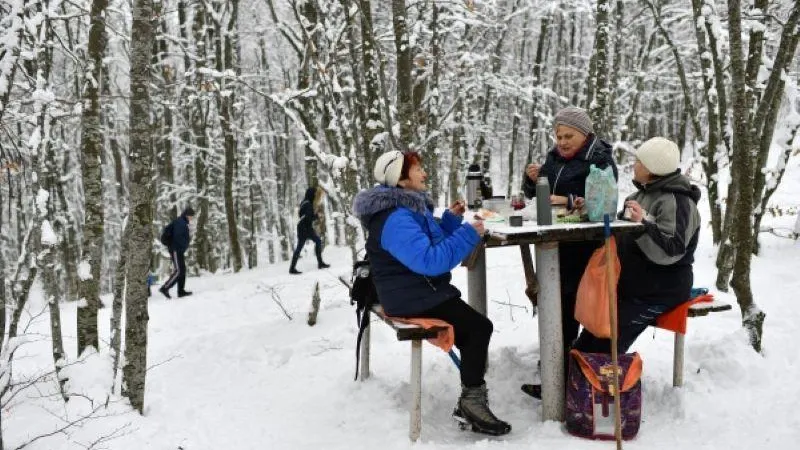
<point>531,284</point>
<point>476,281</point>
<point>551,338</point>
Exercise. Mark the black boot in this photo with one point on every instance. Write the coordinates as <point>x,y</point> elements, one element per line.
<point>294,271</point>
<point>534,390</point>
<point>184,293</point>
<point>322,265</point>
<point>473,410</point>
<point>164,291</point>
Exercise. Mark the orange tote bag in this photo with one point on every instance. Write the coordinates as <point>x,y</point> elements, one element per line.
<point>591,306</point>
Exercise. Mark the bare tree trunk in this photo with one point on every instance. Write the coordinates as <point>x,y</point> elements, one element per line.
<point>373,124</point>
<point>537,79</point>
<point>433,108</point>
<point>405,106</point>
<point>117,307</point>
<point>742,172</point>
<point>767,113</point>
<point>226,99</point>
<point>714,138</point>
<point>599,104</point>
<point>142,189</point>
<point>199,124</point>
<point>92,137</point>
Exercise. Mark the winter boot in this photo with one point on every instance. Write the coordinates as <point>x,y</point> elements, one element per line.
<point>184,293</point>
<point>164,291</point>
<point>473,410</point>
<point>294,271</point>
<point>322,265</point>
<point>534,390</point>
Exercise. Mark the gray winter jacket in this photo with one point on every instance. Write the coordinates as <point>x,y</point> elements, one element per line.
<point>657,264</point>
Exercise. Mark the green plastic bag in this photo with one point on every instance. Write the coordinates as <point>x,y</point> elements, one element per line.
<point>601,193</point>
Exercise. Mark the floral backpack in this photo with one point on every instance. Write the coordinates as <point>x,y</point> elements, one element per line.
<point>590,395</point>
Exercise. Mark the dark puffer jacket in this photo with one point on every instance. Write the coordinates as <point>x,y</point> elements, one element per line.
<point>411,255</point>
<point>568,176</point>
<point>657,263</point>
<point>305,226</point>
<point>180,234</point>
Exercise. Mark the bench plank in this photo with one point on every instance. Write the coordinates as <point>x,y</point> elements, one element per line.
<point>407,331</point>
<point>703,308</point>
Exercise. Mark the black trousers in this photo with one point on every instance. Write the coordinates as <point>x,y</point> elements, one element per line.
<point>635,316</point>
<point>472,334</point>
<point>301,242</point>
<point>178,272</point>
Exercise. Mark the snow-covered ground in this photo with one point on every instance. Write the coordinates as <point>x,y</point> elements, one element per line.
<point>229,370</point>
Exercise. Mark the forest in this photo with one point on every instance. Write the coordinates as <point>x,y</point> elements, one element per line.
<point>114,116</point>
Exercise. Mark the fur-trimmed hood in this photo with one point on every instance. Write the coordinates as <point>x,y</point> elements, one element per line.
<point>379,198</point>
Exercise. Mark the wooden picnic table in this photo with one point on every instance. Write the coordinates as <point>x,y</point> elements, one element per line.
<point>546,239</point>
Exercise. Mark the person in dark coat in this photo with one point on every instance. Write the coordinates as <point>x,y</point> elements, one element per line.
<point>566,167</point>
<point>656,264</point>
<point>411,256</point>
<point>178,242</point>
<point>305,231</point>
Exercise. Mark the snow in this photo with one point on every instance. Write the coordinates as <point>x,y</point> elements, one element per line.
<point>84,270</point>
<point>49,236</point>
<point>228,370</point>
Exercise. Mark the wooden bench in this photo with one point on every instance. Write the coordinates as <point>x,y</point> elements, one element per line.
<point>405,332</point>
<point>696,310</point>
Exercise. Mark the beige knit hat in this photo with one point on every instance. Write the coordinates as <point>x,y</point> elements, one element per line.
<point>659,155</point>
<point>388,168</point>
<point>574,117</point>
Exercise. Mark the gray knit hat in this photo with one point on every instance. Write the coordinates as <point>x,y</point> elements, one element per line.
<point>574,117</point>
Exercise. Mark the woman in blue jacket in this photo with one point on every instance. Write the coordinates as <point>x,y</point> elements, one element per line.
<point>411,256</point>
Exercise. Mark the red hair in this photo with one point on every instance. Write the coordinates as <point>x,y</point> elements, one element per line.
<point>409,159</point>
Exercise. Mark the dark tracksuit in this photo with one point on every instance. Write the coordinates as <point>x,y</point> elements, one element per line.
<point>305,228</point>
<point>179,243</point>
<point>411,256</point>
<point>568,176</point>
<point>656,264</point>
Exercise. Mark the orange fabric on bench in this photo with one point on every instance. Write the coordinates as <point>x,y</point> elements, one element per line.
<point>675,319</point>
<point>445,338</point>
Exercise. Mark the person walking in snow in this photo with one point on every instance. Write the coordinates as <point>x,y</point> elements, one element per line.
<point>177,238</point>
<point>305,231</point>
<point>411,256</point>
<point>656,264</point>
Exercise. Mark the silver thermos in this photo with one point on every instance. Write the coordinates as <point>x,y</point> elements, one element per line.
<point>474,180</point>
<point>544,214</point>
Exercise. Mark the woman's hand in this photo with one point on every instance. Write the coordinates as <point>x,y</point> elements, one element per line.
<point>635,211</point>
<point>458,207</point>
<point>578,203</point>
<point>478,225</point>
<point>532,170</point>
<point>558,200</point>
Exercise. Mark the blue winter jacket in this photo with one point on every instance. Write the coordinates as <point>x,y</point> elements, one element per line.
<point>411,254</point>
<point>180,235</point>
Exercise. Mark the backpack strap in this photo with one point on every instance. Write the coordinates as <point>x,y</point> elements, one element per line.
<point>363,323</point>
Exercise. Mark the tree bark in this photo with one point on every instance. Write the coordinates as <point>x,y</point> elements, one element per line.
<point>92,137</point>
<point>742,172</point>
<point>405,106</point>
<point>599,104</point>
<point>142,190</point>
<point>713,140</point>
